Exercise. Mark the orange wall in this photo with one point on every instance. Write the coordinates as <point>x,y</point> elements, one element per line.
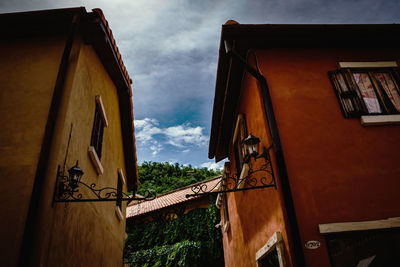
<point>253,222</point>
<point>339,171</point>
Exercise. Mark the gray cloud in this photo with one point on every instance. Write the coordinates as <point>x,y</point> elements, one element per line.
<point>170,48</point>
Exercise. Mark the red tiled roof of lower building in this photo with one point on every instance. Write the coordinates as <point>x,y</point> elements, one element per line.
<point>167,200</point>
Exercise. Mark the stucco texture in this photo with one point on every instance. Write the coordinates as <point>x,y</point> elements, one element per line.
<point>66,234</point>
<point>339,171</point>
<point>28,71</point>
<point>83,234</point>
<point>255,214</point>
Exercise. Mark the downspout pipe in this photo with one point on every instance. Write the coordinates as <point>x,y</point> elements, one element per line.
<point>282,171</point>
<point>44,156</point>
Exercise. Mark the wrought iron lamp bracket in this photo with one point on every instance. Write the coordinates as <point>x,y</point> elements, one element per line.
<point>255,179</point>
<point>64,192</point>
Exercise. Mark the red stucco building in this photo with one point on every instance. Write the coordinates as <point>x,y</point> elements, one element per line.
<point>325,100</point>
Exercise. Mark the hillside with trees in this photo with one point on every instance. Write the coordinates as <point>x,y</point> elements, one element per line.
<point>162,177</point>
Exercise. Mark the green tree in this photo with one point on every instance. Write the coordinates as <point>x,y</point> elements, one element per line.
<point>163,177</point>
<point>189,240</point>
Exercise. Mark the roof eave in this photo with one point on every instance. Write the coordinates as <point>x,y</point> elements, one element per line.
<point>250,36</point>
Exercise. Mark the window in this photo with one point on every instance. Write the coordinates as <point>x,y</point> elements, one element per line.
<point>364,248</point>
<point>271,254</point>
<point>226,213</point>
<point>364,243</point>
<point>97,130</point>
<point>96,141</point>
<point>239,135</point>
<point>227,170</point>
<point>119,193</point>
<point>118,204</point>
<point>367,88</point>
<point>221,197</point>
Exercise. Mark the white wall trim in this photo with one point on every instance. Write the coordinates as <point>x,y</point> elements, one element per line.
<point>95,160</point>
<point>376,120</point>
<point>102,110</point>
<point>245,171</point>
<point>226,226</point>
<point>275,241</point>
<point>218,201</point>
<point>358,226</point>
<point>236,132</point>
<point>375,64</point>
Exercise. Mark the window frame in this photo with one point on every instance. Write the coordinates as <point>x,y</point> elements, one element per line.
<point>349,94</point>
<point>99,123</point>
<point>274,243</point>
<point>96,139</point>
<point>227,170</point>
<point>339,230</point>
<point>222,201</point>
<point>120,187</point>
<point>239,135</point>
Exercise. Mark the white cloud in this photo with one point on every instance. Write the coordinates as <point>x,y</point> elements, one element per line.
<point>148,133</point>
<point>213,165</point>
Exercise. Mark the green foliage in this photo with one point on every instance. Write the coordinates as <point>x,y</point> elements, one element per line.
<point>189,240</point>
<point>163,177</point>
<point>185,253</point>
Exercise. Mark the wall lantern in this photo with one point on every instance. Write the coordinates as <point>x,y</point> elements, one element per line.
<point>71,189</point>
<point>75,175</point>
<point>251,146</point>
<point>252,179</point>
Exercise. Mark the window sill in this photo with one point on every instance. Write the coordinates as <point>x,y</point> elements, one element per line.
<point>330,228</point>
<point>118,213</point>
<point>95,160</point>
<point>377,120</point>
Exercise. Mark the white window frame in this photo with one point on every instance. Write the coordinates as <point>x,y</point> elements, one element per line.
<point>94,158</point>
<point>374,120</point>
<point>275,242</point>
<point>118,210</point>
<point>220,196</point>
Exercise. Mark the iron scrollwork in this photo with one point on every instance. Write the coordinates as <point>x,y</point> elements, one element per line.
<point>255,179</point>
<point>64,192</point>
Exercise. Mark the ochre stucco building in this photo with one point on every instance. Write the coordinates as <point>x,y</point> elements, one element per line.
<point>325,100</point>
<point>65,96</point>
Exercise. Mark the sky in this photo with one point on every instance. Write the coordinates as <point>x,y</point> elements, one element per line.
<point>170,49</point>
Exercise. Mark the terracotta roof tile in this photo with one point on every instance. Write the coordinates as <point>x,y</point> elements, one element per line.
<point>166,200</point>
<point>100,13</point>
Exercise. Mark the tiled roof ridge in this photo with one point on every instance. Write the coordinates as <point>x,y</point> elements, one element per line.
<point>167,200</point>
<point>100,13</point>
<point>186,187</point>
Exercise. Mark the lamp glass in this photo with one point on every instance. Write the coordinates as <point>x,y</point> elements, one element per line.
<point>251,145</point>
<point>75,175</point>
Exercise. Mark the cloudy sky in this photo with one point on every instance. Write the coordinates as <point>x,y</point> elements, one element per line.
<point>170,49</point>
